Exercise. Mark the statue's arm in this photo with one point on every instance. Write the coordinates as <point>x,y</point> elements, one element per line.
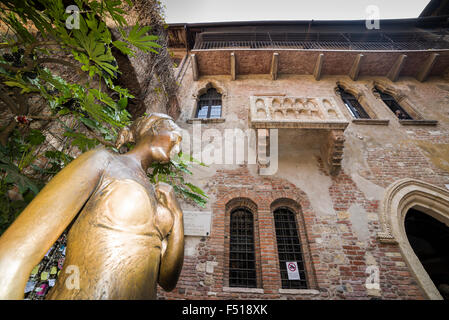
<point>32,234</point>
<point>173,257</point>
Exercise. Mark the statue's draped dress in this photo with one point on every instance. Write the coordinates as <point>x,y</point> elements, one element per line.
<point>115,242</point>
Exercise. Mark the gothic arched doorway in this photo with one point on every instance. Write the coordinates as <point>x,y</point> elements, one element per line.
<point>429,239</point>
<point>402,200</point>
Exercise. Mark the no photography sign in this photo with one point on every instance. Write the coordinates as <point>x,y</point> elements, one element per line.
<point>292,270</point>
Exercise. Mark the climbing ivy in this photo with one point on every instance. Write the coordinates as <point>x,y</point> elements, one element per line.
<point>38,37</point>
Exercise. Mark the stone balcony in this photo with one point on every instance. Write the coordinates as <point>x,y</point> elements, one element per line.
<point>294,112</point>
<point>302,113</point>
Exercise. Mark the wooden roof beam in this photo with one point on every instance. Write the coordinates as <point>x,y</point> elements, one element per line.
<point>274,66</point>
<point>355,69</point>
<point>194,67</point>
<point>233,66</point>
<point>427,67</point>
<point>395,70</point>
<point>318,66</point>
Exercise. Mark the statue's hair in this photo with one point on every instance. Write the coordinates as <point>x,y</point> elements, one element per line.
<point>139,127</point>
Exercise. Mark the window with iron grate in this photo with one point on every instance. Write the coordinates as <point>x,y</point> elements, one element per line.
<point>393,105</point>
<point>209,105</point>
<point>289,247</point>
<point>352,104</point>
<point>242,260</point>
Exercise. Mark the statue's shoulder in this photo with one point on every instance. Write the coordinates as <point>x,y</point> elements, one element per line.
<point>98,155</point>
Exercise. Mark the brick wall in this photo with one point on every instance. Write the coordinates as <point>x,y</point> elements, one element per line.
<point>339,242</point>
<point>336,260</point>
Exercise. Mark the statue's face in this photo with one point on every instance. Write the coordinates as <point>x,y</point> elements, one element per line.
<point>166,142</point>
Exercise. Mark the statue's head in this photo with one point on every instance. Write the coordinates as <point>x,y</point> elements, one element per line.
<point>158,130</point>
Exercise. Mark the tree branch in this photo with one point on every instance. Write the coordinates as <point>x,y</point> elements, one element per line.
<point>22,100</point>
<point>8,101</point>
<point>100,139</point>
<point>63,62</point>
<point>42,117</point>
<point>4,135</point>
<point>9,45</point>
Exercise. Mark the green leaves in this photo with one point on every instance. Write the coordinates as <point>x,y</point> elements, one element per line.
<point>13,176</point>
<point>81,141</point>
<point>93,38</point>
<point>173,174</point>
<point>123,47</point>
<point>90,109</point>
<point>190,195</point>
<point>35,137</point>
<point>138,37</point>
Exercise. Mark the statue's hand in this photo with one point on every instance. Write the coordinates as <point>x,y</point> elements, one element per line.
<point>164,193</point>
<point>164,216</point>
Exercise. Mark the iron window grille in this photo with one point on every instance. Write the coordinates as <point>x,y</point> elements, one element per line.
<point>209,105</point>
<point>393,105</point>
<point>242,262</point>
<point>289,248</point>
<point>353,105</point>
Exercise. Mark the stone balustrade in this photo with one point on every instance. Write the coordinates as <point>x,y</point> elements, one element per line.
<point>295,112</point>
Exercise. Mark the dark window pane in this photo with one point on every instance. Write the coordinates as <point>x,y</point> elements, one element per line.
<point>202,112</point>
<point>215,111</point>
<point>289,247</point>
<point>353,105</point>
<point>209,105</point>
<point>242,265</point>
<point>393,105</point>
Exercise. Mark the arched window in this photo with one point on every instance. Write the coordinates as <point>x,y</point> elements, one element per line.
<point>242,260</point>
<point>352,104</point>
<point>289,247</point>
<point>394,106</point>
<point>209,105</point>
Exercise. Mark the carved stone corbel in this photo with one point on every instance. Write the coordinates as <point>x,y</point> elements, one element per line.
<point>332,151</point>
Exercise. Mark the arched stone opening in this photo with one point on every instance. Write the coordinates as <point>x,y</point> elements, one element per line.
<point>360,97</point>
<point>202,89</point>
<point>400,198</point>
<point>379,88</point>
<point>429,239</point>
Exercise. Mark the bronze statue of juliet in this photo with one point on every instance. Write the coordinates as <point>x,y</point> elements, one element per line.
<point>127,236</point>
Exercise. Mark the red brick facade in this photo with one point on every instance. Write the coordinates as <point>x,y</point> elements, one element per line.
<point>336,266</point>
<point>335,183</point>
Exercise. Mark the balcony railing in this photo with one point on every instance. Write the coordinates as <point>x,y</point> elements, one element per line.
<point>338,41</point>
<point>295,112</point>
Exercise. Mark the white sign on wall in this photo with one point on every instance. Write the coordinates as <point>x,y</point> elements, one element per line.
<point>292,270</point>
<point>197,223</point>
